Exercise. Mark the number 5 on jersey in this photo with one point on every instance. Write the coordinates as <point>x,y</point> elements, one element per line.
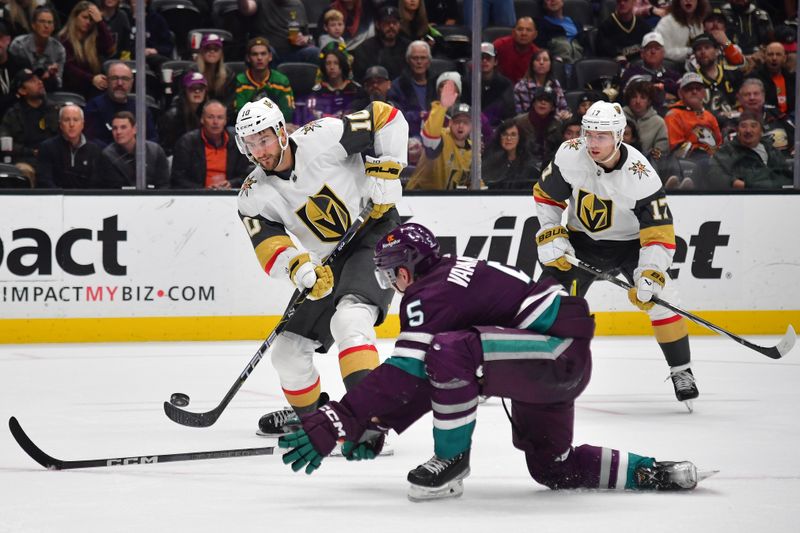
<point>415,315</point>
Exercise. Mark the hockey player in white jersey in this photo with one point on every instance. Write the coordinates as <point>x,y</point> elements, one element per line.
<point>617,220</point>
<point>305,192</point>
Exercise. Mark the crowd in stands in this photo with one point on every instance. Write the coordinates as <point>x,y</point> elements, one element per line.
<point>708,87</point>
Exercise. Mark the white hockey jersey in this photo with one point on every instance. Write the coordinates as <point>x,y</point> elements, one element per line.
<point>334,163</point>
<point>625,203</point>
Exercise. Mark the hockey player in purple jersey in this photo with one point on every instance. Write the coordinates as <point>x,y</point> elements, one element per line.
<point>471,327</point>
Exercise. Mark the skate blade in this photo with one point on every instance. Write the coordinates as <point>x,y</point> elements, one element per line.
<point>385,452</point>
<point>453,489</point>
<point>689,405</point>
<point>271,435</point>
<point>705,474</point>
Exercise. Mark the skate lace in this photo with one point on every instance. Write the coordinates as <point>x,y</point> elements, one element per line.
<point>436,465</point>
<point>280,418</point>
<point>683,380</point>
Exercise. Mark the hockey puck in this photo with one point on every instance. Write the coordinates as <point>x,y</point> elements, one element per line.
<point>179,399</point>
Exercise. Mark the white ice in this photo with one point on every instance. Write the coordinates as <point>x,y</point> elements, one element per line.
<point>105,400</point>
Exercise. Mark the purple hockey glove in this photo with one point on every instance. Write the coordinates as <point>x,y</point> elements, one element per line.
<point>316,440</point>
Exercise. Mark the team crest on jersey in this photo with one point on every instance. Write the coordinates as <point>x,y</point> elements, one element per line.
<point>247,185</point>
<point>639,168</point>
<point>325,215</point>
<point>311,126</point>
<point>596,214</point>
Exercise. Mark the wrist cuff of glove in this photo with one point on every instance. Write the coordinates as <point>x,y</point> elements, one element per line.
<point>550,234</point>
<point>656,276</point>
<point>296,262</point>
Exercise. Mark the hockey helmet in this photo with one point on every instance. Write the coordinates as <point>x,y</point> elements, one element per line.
<point>411,246</point>
<point>257,116</point>
<point>605,116</point>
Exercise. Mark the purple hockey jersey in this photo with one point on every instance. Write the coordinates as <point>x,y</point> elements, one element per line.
<point>456,294</point>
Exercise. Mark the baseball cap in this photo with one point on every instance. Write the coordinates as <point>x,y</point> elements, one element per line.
<point>488,49</point>
<point>376,71</point>
<point>4,28</point>
<point>388,12</point>
<point>689,78</point>
<point>194,78</point>
<point>21,77</point>
<point>652,37</point>
<point>257,41</point>
<point>716,14</point>
<point>459,109</point>
<point>211,39</point>
<point>787,36</point>
<point>545,92</point>
<point>703,38</point>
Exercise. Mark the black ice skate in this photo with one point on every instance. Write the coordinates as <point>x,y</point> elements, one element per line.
<point>684,384</point>
<point>439,478</point>
<point>669,475</point>
<point>280,423</point>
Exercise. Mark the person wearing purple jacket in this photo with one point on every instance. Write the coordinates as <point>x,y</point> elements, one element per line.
<point>468,328</point>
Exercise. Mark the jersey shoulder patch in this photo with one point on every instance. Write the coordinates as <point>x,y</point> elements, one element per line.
<point>571,155</point>
<point>251,192</point>
<point>318,134</point>
<point>643,177</point>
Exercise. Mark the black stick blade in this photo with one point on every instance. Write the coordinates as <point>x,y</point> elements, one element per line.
<point>193,420</point>
<point>30,448</point>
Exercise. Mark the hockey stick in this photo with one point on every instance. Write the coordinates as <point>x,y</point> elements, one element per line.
<point>773,352</point>
<point>202,420</point>
<point>57,464</point>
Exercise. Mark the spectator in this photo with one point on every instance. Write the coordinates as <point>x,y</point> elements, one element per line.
<point>778,129</point>
<point>377,85</point>
<point>652,10</point>
<point>207,158</point>
<point>158,42</point>
<point>694,133</point>
<point>497,92</point>
<point>259,80</point>
<point>358,21</point>
<point>541,126</point>
<point>333,24</point>
<point>721,83</point>
<point>387,48</point>
<point>336,91</point>
<point>87,42</point>
<point>119,23</point>
<point>30,122</point>
<point>447,160</point>
<point>571,129</point>
<point>715,25</point>
<point>184,114</point>
<point>118,160</point>
<point>442,12</point>
<point>285,24</point>
<point>515,51</point>
<point>684,22</point>
<point>779,84</point>
<point>746,162</point>
<point>101,109</point>
<point>585,101</point>
<point>414,21</point>
<point>40,50</point>
<point>620,35</point>
<point>211,64</point>
<point>414,90</point>
<point>507,164</point>
<point>650,127</point>
<point>540,74</point>
<point>630,136</point>
<point>652,68</point>
<point>751,27</point>
<point>17,15</point>
<point>68,160</point>
<point>495,12</point>
<point>9,66</point>
<point>559,33</point>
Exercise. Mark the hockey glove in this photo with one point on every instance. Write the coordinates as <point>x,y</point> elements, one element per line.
<point>553,243</point>
<point>316,440</point>
<point>648,283</point>
<point>305,274</point>
<point>386,189</point>
<point>369,447</point>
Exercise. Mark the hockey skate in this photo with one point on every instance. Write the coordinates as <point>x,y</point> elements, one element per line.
<point>670,475</point>
<point>685,385</point>
<point>439,478</point>
<point>279,423</point>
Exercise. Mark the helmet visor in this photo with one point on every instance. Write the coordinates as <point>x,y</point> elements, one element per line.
<point>386,278</point>
<point>257,142</point>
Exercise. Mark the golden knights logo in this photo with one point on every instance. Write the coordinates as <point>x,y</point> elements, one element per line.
<point>311,126</point>
<point>596,214</point>
<point>247,185</point>
<point>639,168</point>
<point>574,144</point>
<point>325,215</point>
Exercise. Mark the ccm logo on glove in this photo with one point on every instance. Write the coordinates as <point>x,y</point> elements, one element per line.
<point>334,418</point>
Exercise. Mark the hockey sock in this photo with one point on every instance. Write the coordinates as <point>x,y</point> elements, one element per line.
<point>305,400</point>
<point>356,362</point>
<point>672,335</point>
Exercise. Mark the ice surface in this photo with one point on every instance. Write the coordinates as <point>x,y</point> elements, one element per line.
<point>104,400</point>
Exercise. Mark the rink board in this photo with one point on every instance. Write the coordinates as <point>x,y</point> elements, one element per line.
<point>160,267</point>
